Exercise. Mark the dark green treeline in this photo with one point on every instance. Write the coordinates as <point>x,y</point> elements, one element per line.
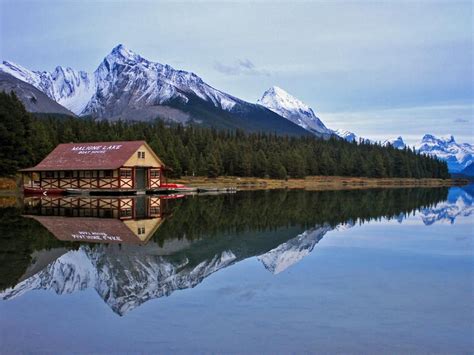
<point>25,140</point>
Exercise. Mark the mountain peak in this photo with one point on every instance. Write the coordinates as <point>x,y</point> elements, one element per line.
<point>120,51</point>
<point>281,102</point>
<point>398,142</point>
<point>278,91</point>
<point>285,99</point>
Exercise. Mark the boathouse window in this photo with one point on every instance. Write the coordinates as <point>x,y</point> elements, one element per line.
<point>155,174</point>
<point>141,155</point>
<point>126,174</point>
<point>68,174</point>
<point>49,174</point>
<point>108,173</point>
<point>141,230</point>
<point>126,212</point>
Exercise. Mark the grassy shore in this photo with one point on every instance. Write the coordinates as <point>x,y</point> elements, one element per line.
<point>9,186</point>
<point>314,183</point>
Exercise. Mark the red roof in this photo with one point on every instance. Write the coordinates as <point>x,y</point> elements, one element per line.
<point>88,156</point>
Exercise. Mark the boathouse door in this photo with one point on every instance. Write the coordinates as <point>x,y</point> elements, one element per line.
<point>141,177</point>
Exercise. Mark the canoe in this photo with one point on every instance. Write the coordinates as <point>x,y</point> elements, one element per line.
<point>41,191</point>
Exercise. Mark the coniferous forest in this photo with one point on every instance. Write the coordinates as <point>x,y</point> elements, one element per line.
<point>25,139</point>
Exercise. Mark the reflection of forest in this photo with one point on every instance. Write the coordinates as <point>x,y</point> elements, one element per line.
<point>201,235</point>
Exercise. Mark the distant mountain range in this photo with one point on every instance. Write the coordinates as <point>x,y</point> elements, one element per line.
<point>129,87</point>
<point>459,156</point>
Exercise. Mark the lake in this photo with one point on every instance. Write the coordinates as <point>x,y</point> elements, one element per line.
<point>283,271</point>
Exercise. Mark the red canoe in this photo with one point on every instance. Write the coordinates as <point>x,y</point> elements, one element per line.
<point>172,186</point>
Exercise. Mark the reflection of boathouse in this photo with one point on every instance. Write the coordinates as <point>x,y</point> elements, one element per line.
<point>102,165</point>
<point>98,220</point>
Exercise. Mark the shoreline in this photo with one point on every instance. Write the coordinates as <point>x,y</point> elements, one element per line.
<point>316,183</point>
<point>9,186</point>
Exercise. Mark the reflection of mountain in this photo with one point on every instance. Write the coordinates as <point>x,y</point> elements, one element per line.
<point>121,276</point>
<point>292,251</point>
<point>458,204</point>
<point>128,275</point>
<point>203,235</point>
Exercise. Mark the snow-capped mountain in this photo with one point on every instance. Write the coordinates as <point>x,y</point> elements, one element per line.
<point>286,105</point>
<point>139,82</point>
<point>348,136</point>
<point>33,99</point>
<point>127,86</point>
<point>294,250</point>
<point>396,143</point>
<point>68,87</point>
<point>457,155</point>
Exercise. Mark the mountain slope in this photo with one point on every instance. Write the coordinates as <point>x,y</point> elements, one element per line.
<point>469,170</point>
<point>33,99</point>
<point>71,89</point>
<point>294,110</point>
<point>129,87</point>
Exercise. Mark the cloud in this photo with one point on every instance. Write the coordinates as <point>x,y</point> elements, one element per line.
<point>409,122</point>
<point>240,67</point>
<point>461,120</point>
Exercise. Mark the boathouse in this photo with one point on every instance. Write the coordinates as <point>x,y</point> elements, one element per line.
<point>130,165</point>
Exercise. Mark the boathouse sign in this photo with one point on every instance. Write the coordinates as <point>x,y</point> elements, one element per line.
<point>95,149</point>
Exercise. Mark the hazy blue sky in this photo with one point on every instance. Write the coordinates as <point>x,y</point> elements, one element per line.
<point>380,69</point>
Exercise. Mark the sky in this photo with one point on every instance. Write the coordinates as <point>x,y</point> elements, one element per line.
<point>378,68</point>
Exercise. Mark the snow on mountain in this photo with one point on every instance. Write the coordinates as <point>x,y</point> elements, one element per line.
<point>71,89</point>
<point>129,87</point>
<point>122,76</point>
<point>123,278</point>
<point>348,136</point>
<point>33,99</point>
<point>138,82</point>
<point>396,143</point>
<point>294,250</point>
<point>286,105</point>
<point>457,155</point>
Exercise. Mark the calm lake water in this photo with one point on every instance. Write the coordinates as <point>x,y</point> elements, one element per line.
<point>370,271</point>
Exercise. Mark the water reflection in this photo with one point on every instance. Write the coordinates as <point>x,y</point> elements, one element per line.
<point>134,250</point>
<point>459,203</point>
<point>98,220</point>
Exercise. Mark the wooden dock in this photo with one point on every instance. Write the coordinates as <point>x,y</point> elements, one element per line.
<point>154,191</point>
